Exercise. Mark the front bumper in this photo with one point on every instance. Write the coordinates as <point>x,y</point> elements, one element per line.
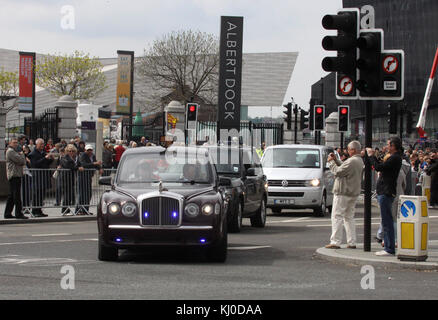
<point>124,236</point>
<point>294,198</point>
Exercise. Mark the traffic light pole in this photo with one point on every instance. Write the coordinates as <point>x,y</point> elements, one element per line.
<point>367,195</point>
<point>342,141</point>
<point>296,124</point>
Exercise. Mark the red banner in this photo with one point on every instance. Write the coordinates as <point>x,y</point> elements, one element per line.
<point>26,82</point>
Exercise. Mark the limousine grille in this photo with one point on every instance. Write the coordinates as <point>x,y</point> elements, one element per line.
<point>160,211</point>
<point>287,194</point>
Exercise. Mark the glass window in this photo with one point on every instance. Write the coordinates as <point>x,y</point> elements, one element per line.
<point>147,168</point>
<point>291,158</point>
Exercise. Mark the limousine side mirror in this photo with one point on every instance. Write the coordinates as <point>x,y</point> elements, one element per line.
<point>105,181</point>
<point>224,182</point>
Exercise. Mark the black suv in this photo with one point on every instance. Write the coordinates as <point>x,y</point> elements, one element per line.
<point>247,190</point>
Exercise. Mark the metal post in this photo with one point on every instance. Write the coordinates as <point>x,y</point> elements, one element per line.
<point>367,196</point>
<point>296,124</point>
<point>342,140</point>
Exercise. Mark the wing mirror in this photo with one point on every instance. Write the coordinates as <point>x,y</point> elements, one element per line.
<point>224,182</point>
<point>105,181</point>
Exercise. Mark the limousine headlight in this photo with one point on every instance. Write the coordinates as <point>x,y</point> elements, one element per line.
<point>192,210</point>
<point>129,209</point>
<point>207,209</point>
<point>313,183</point>
<point>114,208</point>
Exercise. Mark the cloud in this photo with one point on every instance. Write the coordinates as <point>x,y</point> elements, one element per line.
<point>104,26</point>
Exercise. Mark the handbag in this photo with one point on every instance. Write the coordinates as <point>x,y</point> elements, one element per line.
<point>55,174</point>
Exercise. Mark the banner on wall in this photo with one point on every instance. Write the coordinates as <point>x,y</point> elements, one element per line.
<point>125,85</point>
<point>26,99</point>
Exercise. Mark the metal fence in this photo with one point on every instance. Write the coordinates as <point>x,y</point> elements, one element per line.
<point>74,192</point>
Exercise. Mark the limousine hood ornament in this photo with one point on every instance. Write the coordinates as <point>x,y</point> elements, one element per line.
<point>160,187</point>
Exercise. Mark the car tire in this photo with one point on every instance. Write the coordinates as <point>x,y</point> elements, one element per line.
<point>107,253</point>
<point>321,210</point>
<point>235,225</point>
<point>217,252</point>
<point>259,219</point>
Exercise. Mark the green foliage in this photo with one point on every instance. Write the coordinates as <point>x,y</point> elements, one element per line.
<point>76,75</point>
<point>8,85</point>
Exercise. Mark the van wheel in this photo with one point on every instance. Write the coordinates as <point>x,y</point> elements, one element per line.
<point>321,210</point>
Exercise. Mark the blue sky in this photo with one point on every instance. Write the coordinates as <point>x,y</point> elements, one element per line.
<point>104,26</point>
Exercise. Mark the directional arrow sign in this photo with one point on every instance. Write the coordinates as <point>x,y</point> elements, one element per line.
<point>407,209</point>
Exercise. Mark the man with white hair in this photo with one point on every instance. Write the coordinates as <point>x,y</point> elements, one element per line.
<point>346,190</point>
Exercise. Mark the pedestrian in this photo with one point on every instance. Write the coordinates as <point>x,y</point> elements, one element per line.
<point>31,145</point>
<point>49,146</point>
<point>119,149</point>
<point>107,158</point>
<point>26,182</point>
<point>81,147</point>
<point>346,190</point>
<point>432,171</point>
<point>40,162</point>
<point>67,177</point>
<point>15,161</point>
<point>87,165</point>
<point>386,190</point>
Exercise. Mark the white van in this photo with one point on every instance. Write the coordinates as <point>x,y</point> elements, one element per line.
<point>298,177</point>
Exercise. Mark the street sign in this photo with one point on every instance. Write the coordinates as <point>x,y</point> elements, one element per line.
<point>408,209</point>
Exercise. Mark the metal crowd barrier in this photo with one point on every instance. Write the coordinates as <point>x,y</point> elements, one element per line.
<point>73,192</point>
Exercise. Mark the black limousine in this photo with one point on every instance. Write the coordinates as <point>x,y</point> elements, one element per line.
<point>163,197</point>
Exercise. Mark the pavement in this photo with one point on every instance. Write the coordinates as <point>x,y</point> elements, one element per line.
<point>346,256</point>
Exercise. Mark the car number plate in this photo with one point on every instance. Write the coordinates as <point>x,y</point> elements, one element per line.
<point>282,201</point>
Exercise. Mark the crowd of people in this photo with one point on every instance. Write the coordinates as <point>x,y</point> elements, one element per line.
<point>397,171</point>
<point>76,162</point>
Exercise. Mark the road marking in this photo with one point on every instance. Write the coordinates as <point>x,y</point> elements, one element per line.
<point>249,248</point>
<point>329,225</point>
<point>51,234</point>
<point>286,221</point>
<point>39,242</point>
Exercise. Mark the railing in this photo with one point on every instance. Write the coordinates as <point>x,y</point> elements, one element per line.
<point>72,191</point>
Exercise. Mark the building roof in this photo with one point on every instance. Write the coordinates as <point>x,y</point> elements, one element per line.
<point>265,79</point>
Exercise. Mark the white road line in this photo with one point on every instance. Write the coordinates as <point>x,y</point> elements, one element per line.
<point>38,242</point>
<point>286,221</point>
<point>248,247</point>
<point>51,234</point>
<point>329,225</point>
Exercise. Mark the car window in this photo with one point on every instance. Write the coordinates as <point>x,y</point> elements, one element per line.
<point>291,158</point>
<point>147,168</point>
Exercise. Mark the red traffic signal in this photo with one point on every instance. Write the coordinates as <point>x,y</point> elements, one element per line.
<point>344,110</point>
<point>192,111</point>
<point>319,118</point>
<point>343,118</point>
<point>319,110</point>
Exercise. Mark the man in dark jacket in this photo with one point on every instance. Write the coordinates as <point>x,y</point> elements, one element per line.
<point>41,178</point>
<point>87,165</point>
<point>387,189</point>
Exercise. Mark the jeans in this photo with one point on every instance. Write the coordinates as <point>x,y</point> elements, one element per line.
<point>385,203</point>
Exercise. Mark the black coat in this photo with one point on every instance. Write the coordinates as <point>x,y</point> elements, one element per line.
<point>387,182</point>
<point>41,179</point>
<point>87,163</point>
<point>38,160</point>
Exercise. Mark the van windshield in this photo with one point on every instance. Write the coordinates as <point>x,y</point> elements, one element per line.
<point>291,158</point>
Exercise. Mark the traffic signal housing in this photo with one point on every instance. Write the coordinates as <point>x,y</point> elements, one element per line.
<point>304,120</point>
<point>288,113</point>
<point>319,117</point>
<point>347,24</point>
<point>392,118</point>
<point>369,64</point>
<point>343,118</point>
<point>191,115</point>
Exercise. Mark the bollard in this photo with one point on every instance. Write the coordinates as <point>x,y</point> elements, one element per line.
<point>425,187</point>
<point>412,228</point>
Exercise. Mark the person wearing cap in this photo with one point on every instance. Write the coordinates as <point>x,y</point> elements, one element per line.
<point>87,164</point>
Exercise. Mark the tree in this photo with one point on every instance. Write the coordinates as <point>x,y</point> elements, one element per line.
<point>8,86</point>
<point>76,75</point>
<point>183,64</point>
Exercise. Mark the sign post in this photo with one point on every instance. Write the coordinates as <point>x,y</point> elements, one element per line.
<point>230,77</point>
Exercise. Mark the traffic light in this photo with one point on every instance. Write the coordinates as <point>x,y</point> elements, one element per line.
<point>319,117</point>
<point>343,118</point>
<point>288,113</point>
<point>369,65</point>
<point>392,118</point>
<point>304,120</point>
<point>346,22</point>
<point>192,111</point>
